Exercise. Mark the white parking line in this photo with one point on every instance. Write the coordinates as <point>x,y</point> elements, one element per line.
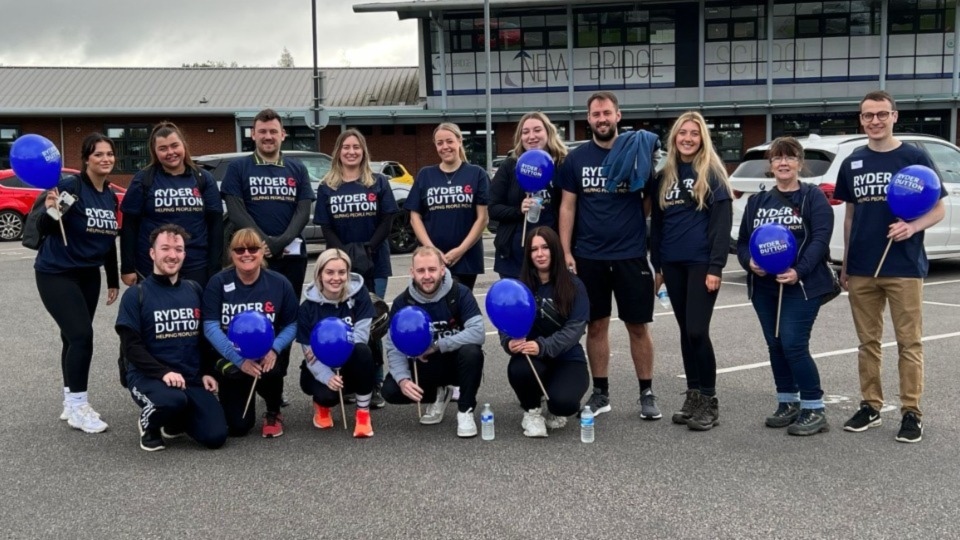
<point>941,282</point>
<point>829,353</point>
<point>940,304</point>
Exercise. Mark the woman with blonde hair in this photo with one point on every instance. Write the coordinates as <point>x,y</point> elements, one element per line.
<point>690,237</point>
<point>248,284</point>
<point>509,203</point>
<point>448,206</point>
<point>337,292</point>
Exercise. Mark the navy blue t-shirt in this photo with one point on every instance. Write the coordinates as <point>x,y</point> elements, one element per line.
<point>579,311</point>
<point>863,180</point>
<point>270,192</point>
<point>353,211</point>
<point>685,234</point>
<point>91,228</point>
<point>168,322</point>
<point>609,226</point>
<point>443,323</point>
<point>448,205</point>
<point>271,294</point>
<point>356,308</point>
<point>173,199</point>
<point>771,210</point>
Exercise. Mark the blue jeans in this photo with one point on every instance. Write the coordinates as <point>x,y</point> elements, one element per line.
<point>380,287</point>
<point>793,368</point>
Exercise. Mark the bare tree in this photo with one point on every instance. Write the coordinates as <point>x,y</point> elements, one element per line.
<point>286,59</point>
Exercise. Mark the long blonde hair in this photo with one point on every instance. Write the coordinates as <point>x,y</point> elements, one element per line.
<point>555,146</point>
<point>332,254</point>
<point>334,177</point>
<point>455,129</point>
<point>706,163</point>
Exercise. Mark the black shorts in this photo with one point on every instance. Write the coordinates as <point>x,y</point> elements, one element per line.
<point>630,281</point>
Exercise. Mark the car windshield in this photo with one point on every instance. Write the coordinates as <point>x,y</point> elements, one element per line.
<point>756,165</point>
<point>317,166</point>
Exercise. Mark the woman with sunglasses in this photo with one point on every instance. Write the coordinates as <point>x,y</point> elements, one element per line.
<point>509,203</point>
<point>171,189</point>
<point>803,209</point>
<point>337,292</point>
<point>248,285</point>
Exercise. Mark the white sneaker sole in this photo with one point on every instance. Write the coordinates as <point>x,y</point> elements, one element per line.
<point>466,434</point>
<point>86,429</point>
<point>876,423</point>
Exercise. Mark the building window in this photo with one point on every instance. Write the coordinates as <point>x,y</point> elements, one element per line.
<point>409,129</point>
<point>920,41</point>
<point>387,129</point>
<point>132,146</point>
<point>8,134</point>
<point>727,137</point>
<point>735,51</point>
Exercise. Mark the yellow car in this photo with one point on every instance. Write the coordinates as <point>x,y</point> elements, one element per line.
<point>393,170</point>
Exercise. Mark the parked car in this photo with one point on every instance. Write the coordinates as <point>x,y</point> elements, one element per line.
<point>402,239</point>
<point>17,197</point>
<point>393,170</point>
<point>822,158</point>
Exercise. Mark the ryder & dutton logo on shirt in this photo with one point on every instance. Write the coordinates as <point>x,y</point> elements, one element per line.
<point>177,200</point>
<point>228,310</point>
<point>450,197</point>
<point>101,221</point>
<point>176,323</point>
<point>674,197</point>
<point>354,206</point>
<point>273,188</point>
<point>783,216</point>
<point>871,187</point>
<point>594,180</point>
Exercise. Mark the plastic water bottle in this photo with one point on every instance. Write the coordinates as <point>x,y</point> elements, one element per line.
<point>663,297</point>
<point>586,425</point>
<point>487,431</point>
<point>533,213</point>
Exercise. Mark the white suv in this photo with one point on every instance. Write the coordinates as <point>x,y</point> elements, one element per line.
<point>822,158</point>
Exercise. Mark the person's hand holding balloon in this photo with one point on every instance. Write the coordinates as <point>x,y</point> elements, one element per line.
<point>901,230</point>
<point>251,368</point>
<point>410,333</point>
<point>788,277</point>
<point>512,309</point>
<point>332,338</point>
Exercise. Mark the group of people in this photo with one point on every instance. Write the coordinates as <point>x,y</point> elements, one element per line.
<point>588,247</point>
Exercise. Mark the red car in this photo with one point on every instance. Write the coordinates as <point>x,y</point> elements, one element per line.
<point>16,199</point>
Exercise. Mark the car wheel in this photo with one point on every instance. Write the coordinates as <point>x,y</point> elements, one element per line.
<point>11,225</point>
<point>402,239</point>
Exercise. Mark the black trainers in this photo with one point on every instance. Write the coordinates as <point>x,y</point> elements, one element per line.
<point>150,439</point>
<point>376,400</point>
<point>648,406</point>
<point>810,422</point>
<point>706,415</point>
<point>686,410</point>
<point>599,402</point>
<point>785,414</point>
<point>911,429</point>
<point>864,419</point>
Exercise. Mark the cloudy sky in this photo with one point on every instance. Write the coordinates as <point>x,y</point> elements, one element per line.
<point>169,33</point>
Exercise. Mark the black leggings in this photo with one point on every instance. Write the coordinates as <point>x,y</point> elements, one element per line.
<point>463,368</point>
<point>235,388</point>
<point>467,280</point>
<point>566,382</point>
<point>693,307</point>
<point>71,299</point>
<point>358,378</point>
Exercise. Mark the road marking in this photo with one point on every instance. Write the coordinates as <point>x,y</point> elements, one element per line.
<point>941,282</point>
<point>733,283</point>
<point>940,304</point>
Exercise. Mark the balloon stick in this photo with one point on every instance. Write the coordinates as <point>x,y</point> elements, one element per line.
<point>779,303</point>
<point>523,235</point>
<point>537,376</point>
<point>343,411</point>
<point>416,381</point>
<point>889,243</point>
<point>252,387</point>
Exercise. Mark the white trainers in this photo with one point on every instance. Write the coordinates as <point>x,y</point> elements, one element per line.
<point>466,425</point>
<point>554,422</point>
<point>436,410</point>
<point>65,415</point>
<point>86,419</point>
<point>533,424</point>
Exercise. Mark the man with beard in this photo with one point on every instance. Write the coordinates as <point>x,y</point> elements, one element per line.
<point>159,328</point>
<point>604,236</point>
<point>456,355</point>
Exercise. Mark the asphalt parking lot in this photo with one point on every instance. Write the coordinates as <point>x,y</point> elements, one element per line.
<point>649,479</point>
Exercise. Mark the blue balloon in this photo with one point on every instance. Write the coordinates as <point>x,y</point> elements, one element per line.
<point>534,170</point>
<point>410,331</point>
<point>332,342</point>
<point>511,308</point>
<point>251,333</point>
<point>36,161</point>
<point>773,248</point>
<point>913,192</point>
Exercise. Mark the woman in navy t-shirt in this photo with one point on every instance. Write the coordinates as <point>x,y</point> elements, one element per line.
<point>509,202</point>
<point>68,275</point>
<point>355,208</point>
<point>172,189</point>
<point>448,206</point>
<point>553,344</point>
<point>690,239</point>
<point>337,292</point>
<point>803,209</point>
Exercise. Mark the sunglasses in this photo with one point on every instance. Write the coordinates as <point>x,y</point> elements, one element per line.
<point>253,250</point>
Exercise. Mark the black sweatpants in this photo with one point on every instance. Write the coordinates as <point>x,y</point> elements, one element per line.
<point>467,280</point>
<point>192,410</point>
<point>235,388</point>
<point>693,308</point>
<point>463,368</point>
<point>292,268</point>
<point>358,378</point>
<point>71,299</point>
<point>566,381</point>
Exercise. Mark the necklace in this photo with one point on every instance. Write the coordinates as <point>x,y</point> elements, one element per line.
<point>449,176</point>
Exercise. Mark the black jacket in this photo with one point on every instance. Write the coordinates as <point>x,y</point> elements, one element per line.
<point>506,195</point>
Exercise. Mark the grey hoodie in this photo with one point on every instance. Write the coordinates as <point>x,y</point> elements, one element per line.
<point>361,328</point>
<point>472,333</point>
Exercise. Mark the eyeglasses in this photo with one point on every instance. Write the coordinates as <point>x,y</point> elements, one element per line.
<point>253,250</point>
<point>881,116</point>
<point>788,159</point>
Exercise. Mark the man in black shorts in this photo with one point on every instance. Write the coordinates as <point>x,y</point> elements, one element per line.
<point>604,237</point>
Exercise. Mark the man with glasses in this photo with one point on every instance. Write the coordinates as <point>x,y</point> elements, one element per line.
<point>868,227</point>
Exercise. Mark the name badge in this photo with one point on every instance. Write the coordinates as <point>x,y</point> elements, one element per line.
<point>229,287</point>
<point>856,164</point>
